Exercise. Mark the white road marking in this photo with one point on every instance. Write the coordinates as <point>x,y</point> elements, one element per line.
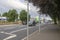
<point>10,37</point>
<point>19,30</point>
<point>7,33</point>
<point>9,28</point>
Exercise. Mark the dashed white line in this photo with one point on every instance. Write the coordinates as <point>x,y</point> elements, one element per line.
<point>20,30</point>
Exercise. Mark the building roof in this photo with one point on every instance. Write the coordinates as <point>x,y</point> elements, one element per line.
<point>3,18</point>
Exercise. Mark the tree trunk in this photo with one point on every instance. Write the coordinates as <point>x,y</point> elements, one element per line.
<point>55,20</point>
<point>58,19</point>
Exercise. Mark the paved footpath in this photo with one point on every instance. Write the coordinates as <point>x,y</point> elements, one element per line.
<point>51,32</point>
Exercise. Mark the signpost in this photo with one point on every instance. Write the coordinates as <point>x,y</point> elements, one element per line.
<point>39,22</point>
<point>27,19</point>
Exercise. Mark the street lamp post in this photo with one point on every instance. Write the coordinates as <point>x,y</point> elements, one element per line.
<point>27,19</point>
<point>39,22</point>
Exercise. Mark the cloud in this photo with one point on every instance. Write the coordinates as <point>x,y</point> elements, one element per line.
<point>17,4</point>
<point>33,8</point>
<point>13,4</point>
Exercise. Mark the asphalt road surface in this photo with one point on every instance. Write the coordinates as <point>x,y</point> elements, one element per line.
<point>18,32</point>
<point>15,32</point>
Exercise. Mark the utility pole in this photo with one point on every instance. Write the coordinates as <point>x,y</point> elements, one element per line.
<point>39,22</point>
<point>27,19</point>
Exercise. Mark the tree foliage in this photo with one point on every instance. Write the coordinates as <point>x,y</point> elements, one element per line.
<point>5,14</point>
<point>23,16</point>
<point>12,15</point>
<point>0,14</point>
<point>50,7</point>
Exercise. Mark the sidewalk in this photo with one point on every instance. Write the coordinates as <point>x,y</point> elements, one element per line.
<point>46,34</point>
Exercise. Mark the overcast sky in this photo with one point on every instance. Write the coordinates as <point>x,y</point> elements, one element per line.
<point>19,5</point>
<point>5,5</point>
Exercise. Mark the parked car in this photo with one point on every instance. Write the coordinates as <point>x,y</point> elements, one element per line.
<point>32,23</point>
<point>24,23</point>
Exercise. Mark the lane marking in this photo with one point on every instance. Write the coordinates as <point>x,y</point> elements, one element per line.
<point>7,33</point>
<point>19,30</point>
<point>6,28</point>
<point>10,37</point>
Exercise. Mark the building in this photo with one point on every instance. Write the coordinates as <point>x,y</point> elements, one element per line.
<point>3,18</point>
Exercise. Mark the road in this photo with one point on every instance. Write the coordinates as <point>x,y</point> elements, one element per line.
<point>15,32</point>
<point>18,32</point>
<point>49,32</point>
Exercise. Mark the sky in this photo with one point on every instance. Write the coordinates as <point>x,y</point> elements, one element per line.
<point>19,5</point>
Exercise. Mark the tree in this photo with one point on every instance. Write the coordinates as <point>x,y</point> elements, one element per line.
<point>5,14</point>
<point>50,7</point>
<point>0,14</point>
<point>23,16</point>
<point>12,15</point>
